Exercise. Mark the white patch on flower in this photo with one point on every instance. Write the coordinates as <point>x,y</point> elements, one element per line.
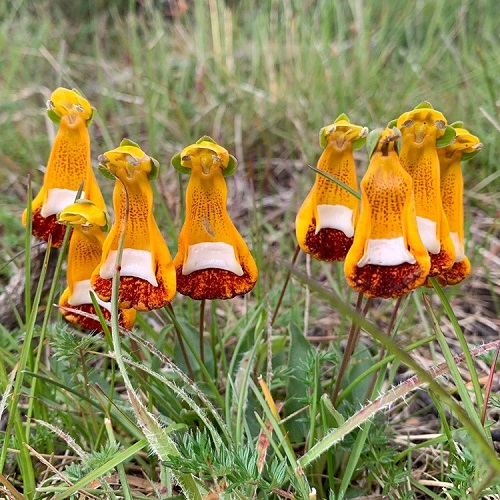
<point>459,248</point>
<point>428,232</point>
<point>136,263</point>
<point>57,200</point>
<point>386,252</point>
<point>335,217</point>
<point>81,295</point>
<point>216,255</point>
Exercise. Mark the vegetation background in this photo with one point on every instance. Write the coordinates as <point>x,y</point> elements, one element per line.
<point>261,78</point>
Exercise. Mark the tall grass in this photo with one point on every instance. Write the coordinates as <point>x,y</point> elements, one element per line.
<point>262,78</point>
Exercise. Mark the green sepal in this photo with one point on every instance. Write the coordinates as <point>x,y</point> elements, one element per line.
<point>469,156</point>
<point>457,124</point>
<point>231,166</point>
<point>358,143</point>
<point>322,138</point>
<point>372,141</point>
<point>392,123</point>
<point>424,105</point>
<point>77,92</point>
<point>205,138</point>
<point>54,117</point>
<point>447,138</point>
<point>104,171</point>
<point>342,116</point>
<point>155,168</point>
<point>91,119</point>
<point>128,142</point>
<point>176,163</point>
<point>106,226</point>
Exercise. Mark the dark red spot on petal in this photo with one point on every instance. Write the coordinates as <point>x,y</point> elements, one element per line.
<point>43,227</point>
<point>329,244</point>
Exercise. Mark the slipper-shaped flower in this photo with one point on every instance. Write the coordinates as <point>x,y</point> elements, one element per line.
<point>465,147</point>
<point>68,166</point>
<point>147,274</point>
<point>424,130</point>
<point>326,220</point>
<point>387,257</point>
<point>213,260</point>
<point>85,249</point>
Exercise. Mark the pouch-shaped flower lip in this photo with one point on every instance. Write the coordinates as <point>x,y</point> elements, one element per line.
<point>68,166</point>
<point>325,222</point>
<point>465,147</point>
<point>424,130</point>
<point>147,275</point>
<point>84,255</point>
<point>205,146</point>
<point>387,257</point>
<point>213,261</point>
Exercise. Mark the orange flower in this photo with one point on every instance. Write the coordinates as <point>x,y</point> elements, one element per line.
<point>464,148</point>
<point>147,274</point>
<point>68,166</point>
<point>387,257</point>
<point>423,131</point>
<point>213,261</point>
<point>85,248</point>
<point>326,220</point>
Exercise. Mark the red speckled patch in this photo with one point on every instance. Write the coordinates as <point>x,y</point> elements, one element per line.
<point>329,244</point>
<point>440,262</point>
<point>386,281</point>
<point>43,227</point>
<point>213,284</point>
<point>125,319</point>
<point>455,274</point>
<point>134,292</point>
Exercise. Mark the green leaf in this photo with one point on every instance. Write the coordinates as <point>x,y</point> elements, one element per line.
<point>104,171</point>
<point>205,138</point>
<point>53,116</point>
<point>155,167</point>
<point>469,156</point>
<point>424,105</point>
<point>176,163</point>
<point>231,166</point>
<point>392,123</point>
<point>342,116</point>
<point>322,137</point>
<point>128,142</point>
<point>372,141</point>
<point>457,124</point>
<point>358,143</point>
<point>91,119</point>
<point>447,139</point>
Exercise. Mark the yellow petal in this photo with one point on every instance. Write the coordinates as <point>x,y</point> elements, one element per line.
<point>387,257</point>
<point>326,220</point>
<point>213,261</point>
<point>68,103</point>
<point>420,128</point>
<point>147,274</point>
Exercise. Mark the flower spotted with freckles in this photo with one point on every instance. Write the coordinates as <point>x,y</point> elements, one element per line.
<point>424,130</point>
<point>387,257</point>
<point>326,220</point>
<point>147,274</point>
<point>68,167</point>
<point>85,249</point>
<point>465,147</point>
<point>213,260</point>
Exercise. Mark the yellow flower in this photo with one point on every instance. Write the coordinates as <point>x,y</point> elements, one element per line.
<point>85,249</point>
<point>387,257</point>
<point>464,148</point>
<point>423,131</point>
<point>68,166</point>
<point>147,274</point>
<point>213,261</point>
<point>326,220</point>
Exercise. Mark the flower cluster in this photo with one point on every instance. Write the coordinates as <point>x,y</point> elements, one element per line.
<point>213,261</point>
<point>410,222</point>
